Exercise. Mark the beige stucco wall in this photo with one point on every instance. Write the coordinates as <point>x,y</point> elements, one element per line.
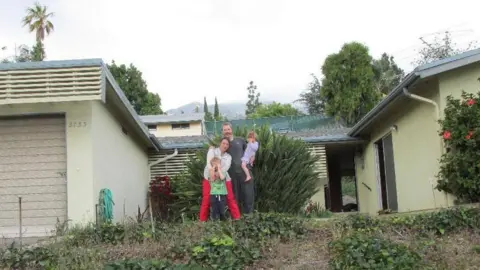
<point>453,82</point>
<point>165,130</point>
<point>416,147</point>
<point>119,163</point>
<point>79,152</point>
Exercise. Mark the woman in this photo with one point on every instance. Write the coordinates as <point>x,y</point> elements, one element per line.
<point>226,160</point>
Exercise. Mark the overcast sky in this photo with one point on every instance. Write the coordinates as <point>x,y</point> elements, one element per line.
<point>188,49</point>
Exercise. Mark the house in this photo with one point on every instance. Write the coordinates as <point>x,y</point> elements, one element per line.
<point>175,125</point>
<point>181,135</point>
<point>66,132</point>
<point>397,165</point>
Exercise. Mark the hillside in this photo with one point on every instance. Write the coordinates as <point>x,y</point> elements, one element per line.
<point>230,110</point>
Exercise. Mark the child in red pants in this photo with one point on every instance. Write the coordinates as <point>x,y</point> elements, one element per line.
<point>206,194</point>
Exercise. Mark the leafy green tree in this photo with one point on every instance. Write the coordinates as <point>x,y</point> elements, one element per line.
<point>253,99</point>
<point>387,73</point>
<point>441,47</point>
<point>38,21</point>
<point>284,172</point>
<point>274,109</point>
<point>135,88</point>
<point>459,166</point>
<point>348,86</point>
<point>23,54</point>
<point>208,115</point>
<point>216,111</point>
<point>38,52</point>
<point>311,97</point>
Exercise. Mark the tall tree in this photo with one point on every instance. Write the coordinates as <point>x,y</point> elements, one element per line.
<point>348,86</point>
<point>387,73</point>
<point>208,116</point>
<point>38,20</point>
<point>441,47</point>
<point>135,88</point>
<point>274,109</point>
<point>253,99</point>
<point>216,111</point>
<point>311,97</point>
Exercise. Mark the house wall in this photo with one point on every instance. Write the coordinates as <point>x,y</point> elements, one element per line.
<point>119,163</point>
<point>453,82</point>
<point>165,130</point>
<point>416,147</point>
<point>79,152</point>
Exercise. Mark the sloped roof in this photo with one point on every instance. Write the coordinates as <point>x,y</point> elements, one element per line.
<point>419,73</point>
<point>181,118</point>
<point>139,125</point>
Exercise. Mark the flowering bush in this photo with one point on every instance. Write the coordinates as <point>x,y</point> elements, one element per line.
<point>460,165</point>
<point>161,194</point>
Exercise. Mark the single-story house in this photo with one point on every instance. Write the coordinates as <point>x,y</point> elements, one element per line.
<point>397,165</point>
<point>187,124</point>
<point>66,132</point>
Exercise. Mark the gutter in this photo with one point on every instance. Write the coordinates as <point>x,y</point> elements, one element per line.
<point>437,118</point>
<point>396,92</point>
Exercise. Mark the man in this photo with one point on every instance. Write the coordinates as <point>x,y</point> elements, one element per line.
<point>243,190</point>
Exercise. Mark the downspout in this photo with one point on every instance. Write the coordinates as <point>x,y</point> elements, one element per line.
<point>438,116</point>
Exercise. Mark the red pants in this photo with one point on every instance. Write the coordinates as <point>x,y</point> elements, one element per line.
<point>205,206</point>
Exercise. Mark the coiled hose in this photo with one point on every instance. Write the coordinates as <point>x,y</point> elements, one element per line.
<point>105,202</point>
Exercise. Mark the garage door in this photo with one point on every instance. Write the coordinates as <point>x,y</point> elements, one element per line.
<point>33,167</point>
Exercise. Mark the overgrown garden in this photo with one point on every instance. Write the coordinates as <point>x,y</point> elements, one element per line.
<point>285,233</point>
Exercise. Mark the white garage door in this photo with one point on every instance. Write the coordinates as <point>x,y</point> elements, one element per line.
<point>33,167</point>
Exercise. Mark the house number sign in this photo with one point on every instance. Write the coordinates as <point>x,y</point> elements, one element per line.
<point>77,124</point>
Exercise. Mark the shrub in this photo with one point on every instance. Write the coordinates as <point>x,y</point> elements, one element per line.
<point>362,251</point>
<point>284,172</point>
<point>439,222</point>
<point>223,252</point>
<point>460,166</point>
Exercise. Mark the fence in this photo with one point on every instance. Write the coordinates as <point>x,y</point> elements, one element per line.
<point>279,124</point>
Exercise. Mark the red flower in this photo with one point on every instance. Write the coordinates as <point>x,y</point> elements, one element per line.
<point>470,102</point>
<point>447,135</point>
<point>469,135</point>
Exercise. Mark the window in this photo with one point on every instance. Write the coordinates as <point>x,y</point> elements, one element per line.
<point>181,126</point>
<point>152,128</point>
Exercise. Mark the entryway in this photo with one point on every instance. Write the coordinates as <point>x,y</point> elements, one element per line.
<point>385,172</point>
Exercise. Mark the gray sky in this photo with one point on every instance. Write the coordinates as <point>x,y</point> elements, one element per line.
<point>188,49</point>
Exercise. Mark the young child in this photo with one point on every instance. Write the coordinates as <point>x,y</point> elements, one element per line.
<point>218,189</point>
<point>249,154</point>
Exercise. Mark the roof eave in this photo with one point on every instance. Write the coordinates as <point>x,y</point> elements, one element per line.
<point>421,72</point>
<point>371,115</point>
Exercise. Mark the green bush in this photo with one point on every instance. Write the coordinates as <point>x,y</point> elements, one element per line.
<point>363,251</point>
<point>460,166</point>
<point>438,222</point>
<point>139,264</point>
<point>284,172</point>
<point>223,252</point>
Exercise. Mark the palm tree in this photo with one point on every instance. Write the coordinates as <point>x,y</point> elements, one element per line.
<point>37,20</point>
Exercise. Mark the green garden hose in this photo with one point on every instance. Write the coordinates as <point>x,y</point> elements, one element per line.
<point>106,204</point>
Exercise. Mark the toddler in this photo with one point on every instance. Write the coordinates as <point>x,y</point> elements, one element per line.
<point>218,189</point>
<point>249,154</point>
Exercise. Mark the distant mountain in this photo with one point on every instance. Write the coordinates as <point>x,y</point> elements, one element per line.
<point>230,110</point>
